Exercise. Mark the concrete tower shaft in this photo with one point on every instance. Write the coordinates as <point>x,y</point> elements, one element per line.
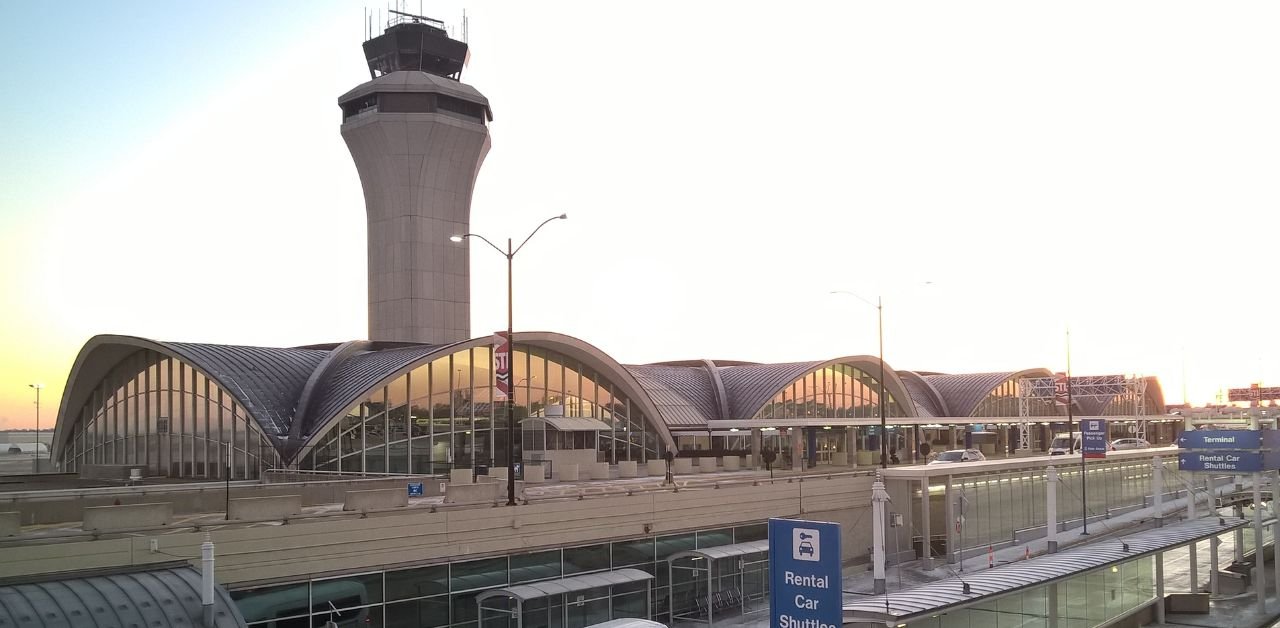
<point>418,141</point>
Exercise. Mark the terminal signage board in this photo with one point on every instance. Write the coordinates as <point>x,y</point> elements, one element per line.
<point>804,573</point>
<point>1221,439</point>
<point>1093,438</point>
<point>1228,460</point>
<point>415,489</point>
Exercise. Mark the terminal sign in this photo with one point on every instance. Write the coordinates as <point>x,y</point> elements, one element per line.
<point>1220,439</point>
<point>1234,461</point>
<point>804,573</point>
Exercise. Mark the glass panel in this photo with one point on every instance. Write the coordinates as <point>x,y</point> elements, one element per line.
<point>478,574</point>
<point>536,566</point>
<point>411,583</point>
<point>425,613</point>
<point>589,558</point>
<point>632,552</point>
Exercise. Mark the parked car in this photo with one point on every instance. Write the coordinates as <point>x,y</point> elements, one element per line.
<point>1121,444</point>
<point>958,455</point>
<point>1062,444</point>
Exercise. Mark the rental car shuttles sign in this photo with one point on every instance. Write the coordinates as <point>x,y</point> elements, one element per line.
<point>804,574</point>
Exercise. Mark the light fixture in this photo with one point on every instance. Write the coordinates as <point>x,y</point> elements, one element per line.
<point>455,238</point>
<point>826,427</point>
<point>1115,569</point>
<point>733,429</point>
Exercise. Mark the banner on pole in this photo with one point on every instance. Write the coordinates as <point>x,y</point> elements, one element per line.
<point>501,366</point>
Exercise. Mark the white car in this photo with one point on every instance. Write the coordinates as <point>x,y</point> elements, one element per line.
<point>1121,444</point>
<point>958,455</point>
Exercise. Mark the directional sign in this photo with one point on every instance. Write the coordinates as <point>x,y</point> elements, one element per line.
<point>1220,439</point>
<point>1234,461</point>
<point>1093,438</point>
<point>804,574</point>
<point>415,489</point>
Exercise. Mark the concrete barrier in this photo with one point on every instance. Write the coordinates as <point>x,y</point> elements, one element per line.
<point>481,493</point>
<point>595,471</point>
<point>109,471</point>
<point>656,468</point>
<point>113,518</point>
<point>265,508</point>
<point>682,465</point>
<point>460,476</point>
<point>706,465</point>
<point>377,499</point>
<point>535,473</point>
<point>498,472</point>
<point>732,463</point>
<point>567,472</point>
<point>627,469</point>
<point>10,524</point>
<point>840,458</point>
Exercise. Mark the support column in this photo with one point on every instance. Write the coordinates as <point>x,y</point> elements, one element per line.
<point>879,497</point>
<point>953,438</point>
<point>811,444</point>
<point>851,444</point>
<point>1160,588</point>
<point>926,543</point>
<point>1157,488</point>
<point>1260,571</point>
<point>1238,534</point>
<point>1213,564</point>
<point>949,496</point>
<point>1051,508</point>
<point>1275,535</point>
<point>1192,573</point>
<point>756,438</point>
<point>797,448</point>
<point>1053,605</point>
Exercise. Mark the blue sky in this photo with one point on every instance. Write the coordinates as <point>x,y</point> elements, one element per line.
<point>175,171</point>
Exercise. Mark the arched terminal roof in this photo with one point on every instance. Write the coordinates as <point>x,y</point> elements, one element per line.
<point>157,598</point>
<point>750,387</point>
<point>961,394</point>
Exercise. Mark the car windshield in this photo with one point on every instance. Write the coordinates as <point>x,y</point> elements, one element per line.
<point>1061,442</point>
<point>950,456</point>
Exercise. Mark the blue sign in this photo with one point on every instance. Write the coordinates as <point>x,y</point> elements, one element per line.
<point>1232,461</point>
<point>415,489</point>
<point>1093,438</point>
<point>1221,439</point>
<point>804,573</point>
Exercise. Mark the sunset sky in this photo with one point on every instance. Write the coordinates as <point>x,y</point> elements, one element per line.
<point>999,172</point>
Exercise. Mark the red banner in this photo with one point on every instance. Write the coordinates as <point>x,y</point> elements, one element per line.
<point>501,366</point>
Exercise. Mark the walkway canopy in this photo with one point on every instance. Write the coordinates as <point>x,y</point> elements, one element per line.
<point>579,600</point>
<point>155,597</point>
<point>720,579</point>
<point>982,586</point>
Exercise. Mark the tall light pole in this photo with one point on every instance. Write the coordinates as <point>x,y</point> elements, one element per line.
<point>884,434</point>
<point>37,387</point>
<point>510,254</point>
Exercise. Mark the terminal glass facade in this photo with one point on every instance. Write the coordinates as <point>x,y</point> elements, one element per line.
<point>444,595</point>
<point>441,415</point>
<point>156,411</point>
<point>838,391</point>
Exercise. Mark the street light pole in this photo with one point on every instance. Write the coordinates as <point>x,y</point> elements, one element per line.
<point>510,254</point>
<point>37,387</point>
<point>879,305</point>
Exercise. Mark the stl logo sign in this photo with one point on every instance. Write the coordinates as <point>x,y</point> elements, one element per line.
<point>804,545</point>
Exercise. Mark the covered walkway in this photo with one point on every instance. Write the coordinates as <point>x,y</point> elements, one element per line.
<point>572,602</point>
<point>724,579</point>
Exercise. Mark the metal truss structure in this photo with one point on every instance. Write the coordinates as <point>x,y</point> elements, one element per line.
<point>1109,388</point>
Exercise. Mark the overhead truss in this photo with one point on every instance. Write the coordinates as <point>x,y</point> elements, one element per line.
<point>1130,390</point>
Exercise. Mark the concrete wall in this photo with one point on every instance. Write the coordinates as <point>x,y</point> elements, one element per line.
<point>260,508</point>
<point>472,493</point>
<point>10,524</point>
<point>45,507</point>
<point>116,518</point>
<point>418,171</point>
<point>379,499</point>
<point>411,536</point>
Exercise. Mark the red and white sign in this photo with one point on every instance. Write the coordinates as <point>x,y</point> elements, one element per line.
<point>501,366</point>
<point>1060,394</point>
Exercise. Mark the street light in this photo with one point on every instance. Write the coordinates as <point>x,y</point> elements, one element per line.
<point>510,254</point>
<point>37,387</point>
<point>879,305</point>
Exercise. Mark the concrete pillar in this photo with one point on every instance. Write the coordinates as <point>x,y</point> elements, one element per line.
<point>1238,534</point>
<point>851,444</point>
<point>797,448</point>
<point>756,438</point>
<point>926,540</point>
<point>1260,581</point>
<point>879,497</point>
<point>1160,588</point>
<point>206,581</point>
<point>949,496</point>
<point>1213,564</point>
<point>1053,605</point>
<point>811,445</point>
<point>1157,488</point>
<point>1051,508</point>
<point>1192,573</point>
<point>953,438</point>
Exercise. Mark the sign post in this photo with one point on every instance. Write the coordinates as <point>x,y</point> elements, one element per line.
<point>1093,438</point>
<point>804,574</point>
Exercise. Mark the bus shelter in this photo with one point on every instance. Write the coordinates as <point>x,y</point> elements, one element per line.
<point>723,580</point>
<point>571,602</point>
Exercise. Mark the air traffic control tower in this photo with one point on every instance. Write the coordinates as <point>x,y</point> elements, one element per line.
<point>418,136</point>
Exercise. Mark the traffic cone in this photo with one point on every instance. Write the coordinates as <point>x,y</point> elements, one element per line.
<point>991,556</point>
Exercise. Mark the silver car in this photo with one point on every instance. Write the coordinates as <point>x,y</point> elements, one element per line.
<point>958,455</point>
<point>1121,444</point>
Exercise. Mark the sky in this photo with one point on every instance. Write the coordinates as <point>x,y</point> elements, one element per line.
<point>997,172</point>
